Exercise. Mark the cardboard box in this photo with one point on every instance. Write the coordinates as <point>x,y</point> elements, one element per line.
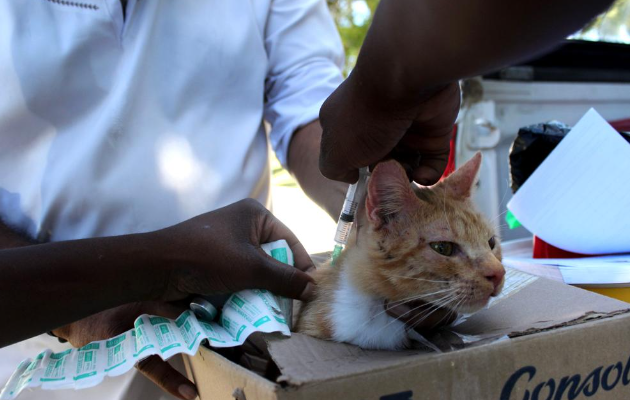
<point>543,340</point>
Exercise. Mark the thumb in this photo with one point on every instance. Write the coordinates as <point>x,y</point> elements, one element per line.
<point>284,280</point>
<point>328,168</point>
<point>431,168</point>
<point>333,164</point>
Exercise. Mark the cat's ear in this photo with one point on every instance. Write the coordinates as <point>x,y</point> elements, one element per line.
<point>461,182</point>
<point>389,193</point>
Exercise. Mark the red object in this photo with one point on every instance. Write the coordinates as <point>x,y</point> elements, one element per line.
<point>621,124</point>
<point>543,249</point>
<point>450,165</point>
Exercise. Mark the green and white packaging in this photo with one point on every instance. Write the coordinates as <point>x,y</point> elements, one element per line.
<point>244,313</point>
<point>281,251</point>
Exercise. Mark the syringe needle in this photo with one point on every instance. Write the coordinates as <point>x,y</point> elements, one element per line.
<point>346,218</point>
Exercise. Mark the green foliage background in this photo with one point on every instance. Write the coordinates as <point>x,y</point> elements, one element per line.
<point>611,26</point>
<point>353,18</point>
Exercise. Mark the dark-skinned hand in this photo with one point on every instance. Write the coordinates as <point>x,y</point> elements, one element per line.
<point>360,129</point>
<point>219,252</point>
<point>214,253</point>
<point>112,322</point>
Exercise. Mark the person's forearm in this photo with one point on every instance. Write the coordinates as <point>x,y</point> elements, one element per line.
<point>57,283</point>
<point>414,46</point>
<point>303,164</point>
<point>10,239</point>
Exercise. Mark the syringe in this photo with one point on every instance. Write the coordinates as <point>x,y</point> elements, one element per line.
<point>346,218</point>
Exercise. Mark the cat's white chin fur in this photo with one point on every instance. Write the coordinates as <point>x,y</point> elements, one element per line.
<point>360,319</point>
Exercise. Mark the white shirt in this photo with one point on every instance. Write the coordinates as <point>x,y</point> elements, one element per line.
<point>111,126</point>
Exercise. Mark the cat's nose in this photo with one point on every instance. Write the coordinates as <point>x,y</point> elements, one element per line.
<point>495,275</point>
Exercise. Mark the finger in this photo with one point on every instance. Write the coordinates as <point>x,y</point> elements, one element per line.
<point>433,146</point>
<point>430,169</point>
<point>330,170</point>
<point>167,378</point>
<point>272,229</point>
<point>284,280</point>
<point>409,158</point>
<point>332,162</point>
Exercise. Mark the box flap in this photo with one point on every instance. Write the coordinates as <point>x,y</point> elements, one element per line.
<point>542,304</point>
<point>530,305</point>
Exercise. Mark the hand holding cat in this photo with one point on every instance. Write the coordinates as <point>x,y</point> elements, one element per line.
<point>361,128</point>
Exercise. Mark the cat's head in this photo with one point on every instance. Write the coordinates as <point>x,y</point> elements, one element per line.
<point>428,243</point>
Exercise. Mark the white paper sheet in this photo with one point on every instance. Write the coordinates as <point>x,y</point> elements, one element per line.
<point>578,199</point>
<point>597,271</point>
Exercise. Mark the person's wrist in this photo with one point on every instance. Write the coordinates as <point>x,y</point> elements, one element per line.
<point>390,91</point>
<point>157,266</point>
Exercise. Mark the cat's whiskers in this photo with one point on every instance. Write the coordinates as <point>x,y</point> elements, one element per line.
<point>443,304</point>
<point>416,279</point>
<point>448,291</point>
<point>399,317</point>
<point>459,298</point>
<point>452,311</point>
<point>444,209</point>
<point>399,302</point>
<point>434,305</point>
<point>455,309</point>
<point>493,221</point>
<point>507,189</point>
<point>421,296</point>
<point>416,298</point>
<point>422,317</point>
<point>499,215</point>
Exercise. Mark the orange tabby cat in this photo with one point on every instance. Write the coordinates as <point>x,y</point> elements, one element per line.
<point>426,243</point>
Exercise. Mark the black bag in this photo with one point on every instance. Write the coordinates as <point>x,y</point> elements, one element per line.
<point>532,145</point>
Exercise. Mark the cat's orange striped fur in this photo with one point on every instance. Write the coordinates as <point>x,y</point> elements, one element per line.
<point>422,243</point>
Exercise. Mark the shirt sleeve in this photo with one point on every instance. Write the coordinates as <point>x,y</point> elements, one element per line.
<point>305,60</point>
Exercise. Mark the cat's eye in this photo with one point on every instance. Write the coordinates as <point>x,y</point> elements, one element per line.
<point>492,243</point>
<point>443,248</point>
